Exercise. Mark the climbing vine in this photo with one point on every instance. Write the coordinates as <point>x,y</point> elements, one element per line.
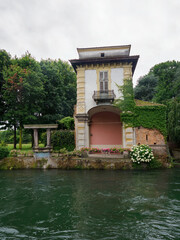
<point>140,113</point>
<point>152,117</point>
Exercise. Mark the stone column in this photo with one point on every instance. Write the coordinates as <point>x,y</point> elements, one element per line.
<point>36,142</point>
<point>48,137</point>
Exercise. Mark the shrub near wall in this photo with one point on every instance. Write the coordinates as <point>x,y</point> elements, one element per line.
<point>61,139</point>
<point>4,152</point>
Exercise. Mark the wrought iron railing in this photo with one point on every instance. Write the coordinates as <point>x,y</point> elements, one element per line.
<point>104,96</point>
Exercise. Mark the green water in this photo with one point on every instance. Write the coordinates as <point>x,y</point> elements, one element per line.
<point>56,204</point>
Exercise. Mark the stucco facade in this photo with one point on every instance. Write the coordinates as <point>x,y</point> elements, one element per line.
<point>99,73</point>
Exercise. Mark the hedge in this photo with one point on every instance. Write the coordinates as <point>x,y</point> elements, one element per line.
<point>4,152</point>
<point>61,139</point>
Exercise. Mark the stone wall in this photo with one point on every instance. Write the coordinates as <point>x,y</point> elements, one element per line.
<point>63,161</point>
<point>149,136</point>
<point>154,139</point>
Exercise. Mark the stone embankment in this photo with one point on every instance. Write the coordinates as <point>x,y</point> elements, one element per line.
<point>69,161</point>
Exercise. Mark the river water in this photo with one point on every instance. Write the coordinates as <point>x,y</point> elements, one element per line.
<point>80,205</point>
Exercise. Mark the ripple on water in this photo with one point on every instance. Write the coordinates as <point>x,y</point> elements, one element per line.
<point>89,205</point>
<point>8,230</point>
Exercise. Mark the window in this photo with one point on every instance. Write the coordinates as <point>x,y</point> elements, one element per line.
<point>103,78</point>
<point>102,54</point>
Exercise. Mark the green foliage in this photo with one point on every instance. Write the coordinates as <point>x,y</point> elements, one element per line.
<point>174,120</point>
<point>60,90</point>
<point>7,136</point>
<point>166,91</point>
<point>167,73</point>
<point>155,164</point>
<point>152,117</point>
<point>126,104</point>
<point>141,154</point>
<point>61,139</point>
<point>22,92</point>
<point>5,61</point>
<point>4,152</point>
<point>66,123</point>
<point>145,89</point>
<point>176,84</point>
<point>33,92</point>
<point>161,83</point>
<point>63,151</point>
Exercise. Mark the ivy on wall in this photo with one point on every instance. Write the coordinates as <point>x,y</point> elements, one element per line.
<point>147,115</point>
<point>152,117</point>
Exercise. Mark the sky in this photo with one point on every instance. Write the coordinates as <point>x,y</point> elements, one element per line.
<point>56,28</point>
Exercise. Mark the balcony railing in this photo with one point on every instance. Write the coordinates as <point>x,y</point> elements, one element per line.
<point>104,96</point>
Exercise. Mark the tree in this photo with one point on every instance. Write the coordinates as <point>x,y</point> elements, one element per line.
<point>145,89</point>
<point>60,90</point>
<point>176,85</point>
<point>33,92</point>
<point>162,85</point>
<point>22,93</point>
<point>166,74</point>
<point>5,61</point>
<point>66,123</point>
<point>174,120</point>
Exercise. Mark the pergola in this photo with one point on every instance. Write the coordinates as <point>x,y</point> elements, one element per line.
<point>35,128</point>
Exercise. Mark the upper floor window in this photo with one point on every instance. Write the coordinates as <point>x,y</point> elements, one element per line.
<point>103,78</point>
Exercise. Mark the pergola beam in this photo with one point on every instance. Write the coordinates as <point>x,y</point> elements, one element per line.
<point>35,128</point>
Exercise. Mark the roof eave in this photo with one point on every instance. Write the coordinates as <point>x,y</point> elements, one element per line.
<point>129,59</point>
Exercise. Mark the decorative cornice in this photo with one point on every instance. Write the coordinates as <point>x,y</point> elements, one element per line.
<point>95,62</point>
<point>82,117</point>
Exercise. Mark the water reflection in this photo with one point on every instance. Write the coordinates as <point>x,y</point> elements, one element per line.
<point>89,204</point>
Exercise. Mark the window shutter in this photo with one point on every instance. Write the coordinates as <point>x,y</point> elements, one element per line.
<point>101,86</point>
<point>103,79</point>
<point>101,76</point>
<point>106,86</point>
<point>106,75</point>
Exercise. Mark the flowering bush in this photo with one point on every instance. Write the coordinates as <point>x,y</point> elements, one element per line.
<point>94,150</point>
<point>142,153</point>
<point>84,149</point>
<point>90,150</point>
<point>105,150</point>
<point>115,150</point>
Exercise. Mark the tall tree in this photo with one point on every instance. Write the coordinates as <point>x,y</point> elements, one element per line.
<point>145,89</point>
<point>164,87</point>
<point>60,90</point>
<point>5,61</point>
<point>165,72</point>
<point>22,93</point>
<point>174,120</point>
<point>176,85</point>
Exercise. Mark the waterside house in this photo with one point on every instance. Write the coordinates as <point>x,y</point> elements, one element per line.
<point>98,123</point>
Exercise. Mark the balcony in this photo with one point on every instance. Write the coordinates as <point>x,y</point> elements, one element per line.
<point>104,96</point>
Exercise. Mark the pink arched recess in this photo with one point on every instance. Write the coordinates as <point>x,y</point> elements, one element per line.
<point>105,129</point>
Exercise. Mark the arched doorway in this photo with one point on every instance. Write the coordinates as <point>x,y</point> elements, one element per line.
<point>105,129</point>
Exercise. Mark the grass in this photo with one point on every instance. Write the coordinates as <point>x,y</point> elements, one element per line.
<point>25,147</point>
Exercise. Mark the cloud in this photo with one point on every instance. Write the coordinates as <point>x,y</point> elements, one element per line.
<point>55,28</point>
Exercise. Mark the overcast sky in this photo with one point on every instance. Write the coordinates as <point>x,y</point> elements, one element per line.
<point>55,28</point>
